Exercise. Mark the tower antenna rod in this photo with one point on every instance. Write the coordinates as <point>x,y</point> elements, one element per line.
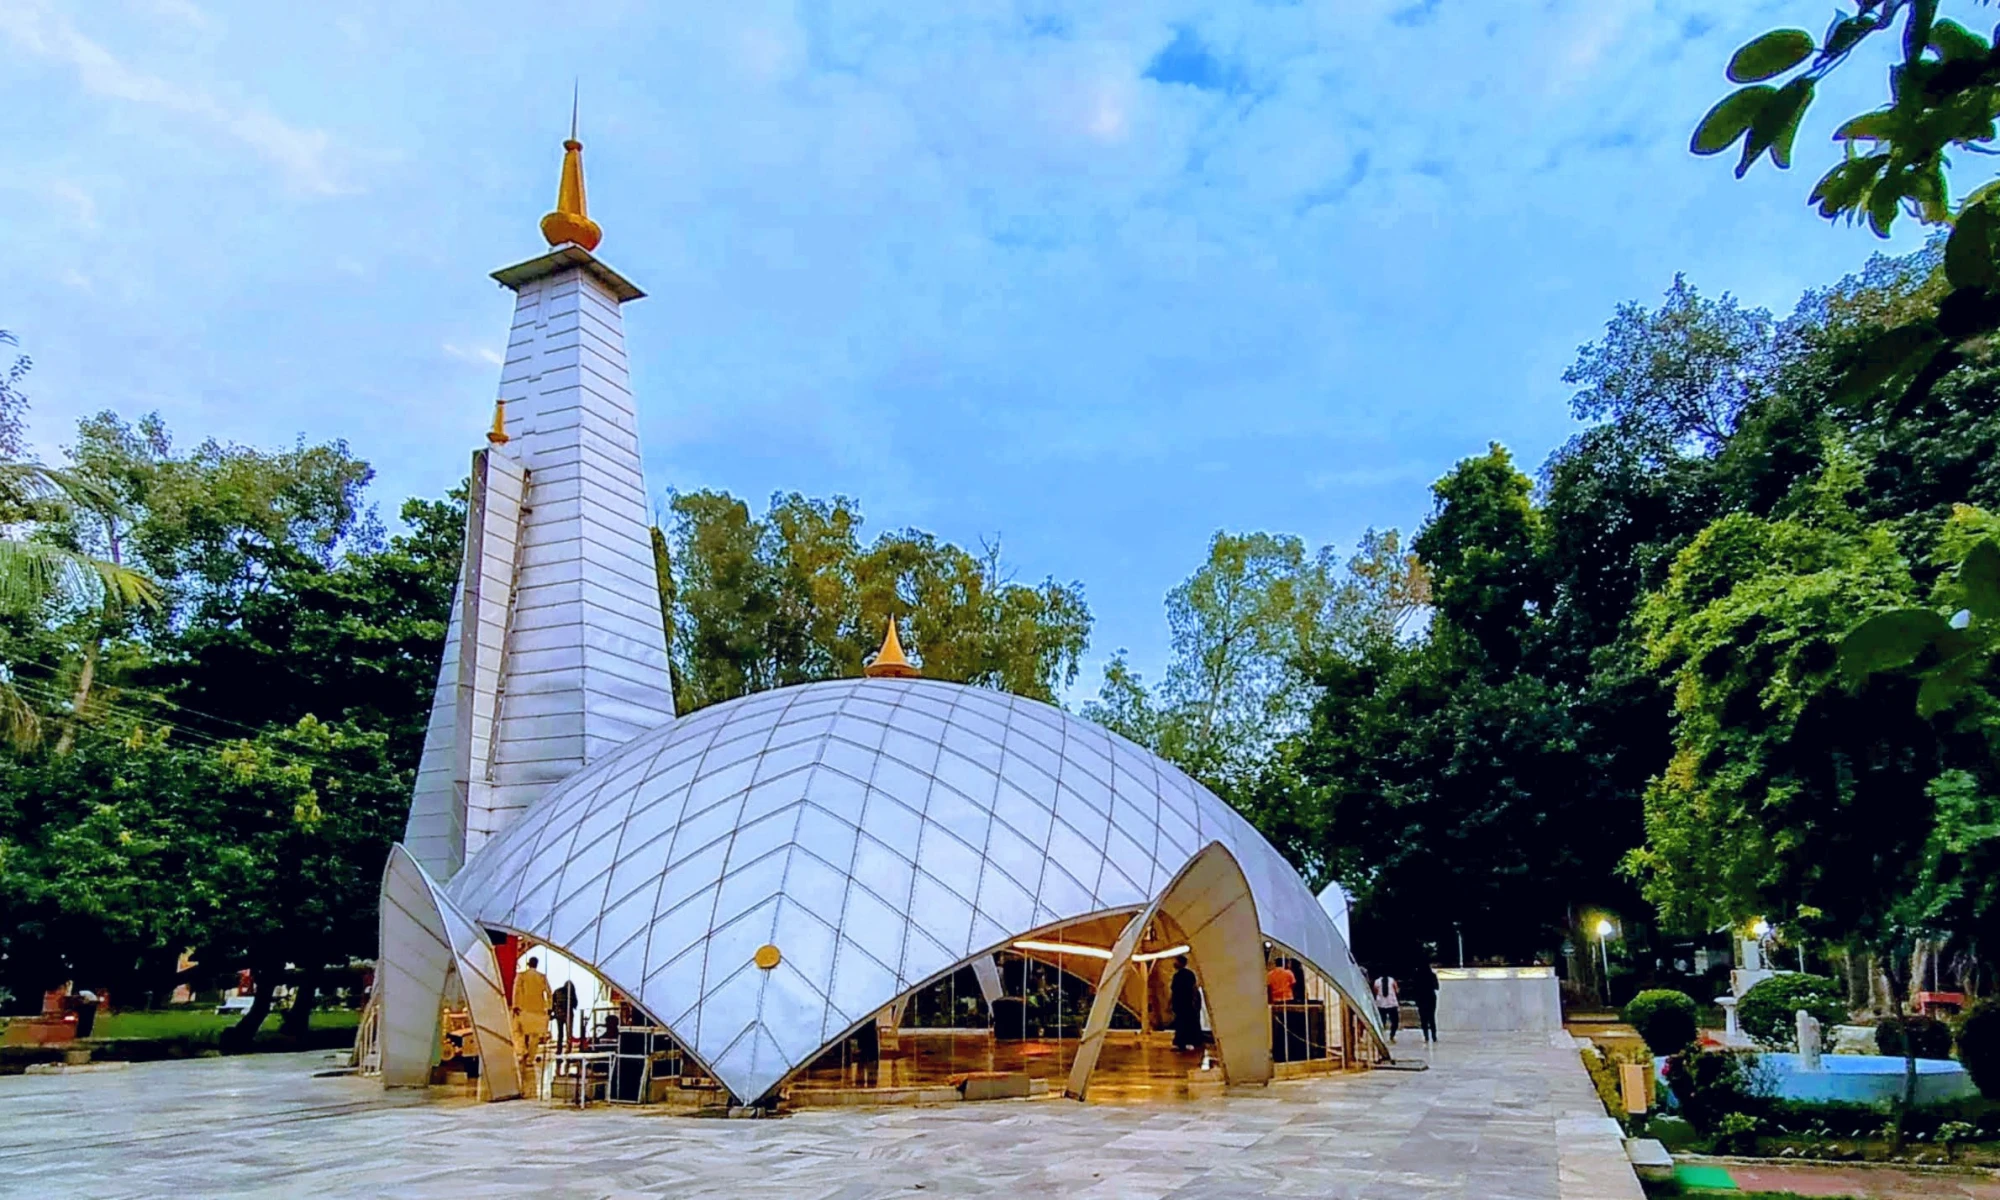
<point>575,90</point>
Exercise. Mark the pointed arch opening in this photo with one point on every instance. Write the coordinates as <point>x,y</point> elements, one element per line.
<point>1209,902</point>
<point>1016,1008</point>
<point>431,954</point>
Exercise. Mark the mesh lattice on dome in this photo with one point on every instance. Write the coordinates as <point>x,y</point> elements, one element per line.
<point>878,832</point>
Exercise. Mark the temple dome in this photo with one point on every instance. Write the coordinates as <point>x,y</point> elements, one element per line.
<point>877,832</point>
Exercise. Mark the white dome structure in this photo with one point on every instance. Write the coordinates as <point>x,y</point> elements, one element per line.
<point>755,882</point>
<point>880,833</point>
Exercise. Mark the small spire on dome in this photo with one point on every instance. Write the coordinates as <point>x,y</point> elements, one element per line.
<point>498,434</point>
<point>570,222</point>
<point>889,662</point>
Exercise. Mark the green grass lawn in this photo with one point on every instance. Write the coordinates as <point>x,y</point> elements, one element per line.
<point>201,1023</point>
<point>1675,1189</point>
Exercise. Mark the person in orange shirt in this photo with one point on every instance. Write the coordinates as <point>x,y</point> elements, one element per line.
<point>1279,981</point>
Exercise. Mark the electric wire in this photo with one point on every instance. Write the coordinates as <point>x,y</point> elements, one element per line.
<point>54,698</point>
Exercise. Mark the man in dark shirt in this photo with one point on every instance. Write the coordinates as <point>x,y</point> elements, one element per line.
<point>1186,997</point>
<point>1422,988</point>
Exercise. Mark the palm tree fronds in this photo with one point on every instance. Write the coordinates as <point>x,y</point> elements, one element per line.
<point>20,724</point>
<point>37,482</point>
<point>31,572</point>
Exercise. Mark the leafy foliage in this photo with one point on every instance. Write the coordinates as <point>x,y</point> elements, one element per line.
<point>1768,1012</point>
<point>1979,1047</point>
<point>1249,628</point>
<point>1942,97</point>
<point>1665,1018</point>
<point>1710,1085</point>
<point>1922,1037</point>
<point>795,596</point>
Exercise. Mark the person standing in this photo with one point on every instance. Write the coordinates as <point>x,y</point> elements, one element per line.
<point>531,1008</point>
<point>1279,981</point>
<point>1388,1004</point>
<point>1185,995</point>
<point>563,1009</point>
<point>1424,991</point>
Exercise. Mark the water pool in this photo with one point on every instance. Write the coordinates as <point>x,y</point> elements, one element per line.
<point>1875,1079</point>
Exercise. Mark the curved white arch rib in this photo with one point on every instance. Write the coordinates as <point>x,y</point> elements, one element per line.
<point>1210,901</point>
<point>424,938</point>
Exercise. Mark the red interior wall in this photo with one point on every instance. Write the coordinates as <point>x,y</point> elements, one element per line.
<point>507,950</point>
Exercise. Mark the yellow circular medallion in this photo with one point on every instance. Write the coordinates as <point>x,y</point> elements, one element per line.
<point>767,956</point>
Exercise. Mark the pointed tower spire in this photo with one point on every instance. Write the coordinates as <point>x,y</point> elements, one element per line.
<point>889,662</point>
<point>555,654</point>
<point>571,222</point>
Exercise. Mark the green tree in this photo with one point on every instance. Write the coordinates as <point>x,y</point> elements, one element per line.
<point>1249,629</point>
<point>1791,790</point>
<point>795,596</point>
<point>1680,375</point>
<point>145,842</point>
<point>1768,742</point>
<point>1242,627</point>
<point>1483,546</point>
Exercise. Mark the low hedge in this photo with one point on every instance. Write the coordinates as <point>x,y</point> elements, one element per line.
<point>1865,1121</point>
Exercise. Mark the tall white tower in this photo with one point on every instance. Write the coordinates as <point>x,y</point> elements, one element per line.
<point>556,653</point>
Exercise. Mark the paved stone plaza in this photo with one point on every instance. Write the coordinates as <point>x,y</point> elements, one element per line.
<point>1490,1121</point>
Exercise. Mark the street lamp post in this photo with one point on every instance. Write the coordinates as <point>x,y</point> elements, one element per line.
<point>1604,928</point>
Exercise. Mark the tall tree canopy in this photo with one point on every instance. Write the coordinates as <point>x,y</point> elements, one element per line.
<point>796,596</point>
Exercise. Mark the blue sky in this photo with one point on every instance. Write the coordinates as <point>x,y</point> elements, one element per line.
<point>1097,279</point>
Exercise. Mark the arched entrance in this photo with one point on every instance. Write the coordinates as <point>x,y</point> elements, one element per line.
<point>426,941</point>
<point>1210,902</point>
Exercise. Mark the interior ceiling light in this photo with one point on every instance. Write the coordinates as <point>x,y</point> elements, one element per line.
<point>1064,948</point>
<point>1095,951</point>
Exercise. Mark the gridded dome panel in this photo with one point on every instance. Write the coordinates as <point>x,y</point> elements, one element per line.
<point>878,832</point>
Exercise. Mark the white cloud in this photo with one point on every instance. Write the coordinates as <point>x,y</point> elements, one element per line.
<point>299,154</point>
<point>82,206</point>
<point>182,11</point>
<point>478,354</point>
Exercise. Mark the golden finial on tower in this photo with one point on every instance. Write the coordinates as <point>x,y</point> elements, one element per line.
<point>498,434</point>
<point>570,222</point>
<point>889,662</point>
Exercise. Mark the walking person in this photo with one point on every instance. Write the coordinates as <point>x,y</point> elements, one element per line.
<point>531,1012</point>
<point>1185,995</point>
<point>1423,988</point>
<point>1388,1004</point>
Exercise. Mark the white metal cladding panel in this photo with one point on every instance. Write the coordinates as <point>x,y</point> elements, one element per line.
<point>586,664</point>
<point>448,795</point>
<point>877,831</point>
<point>423,938</point>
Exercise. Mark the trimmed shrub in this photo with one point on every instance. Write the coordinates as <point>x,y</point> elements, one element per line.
<point>1665,1018</point>
<point>1710,1084</point>
<point>1979,1047</point>
<point>1769,1011</point>
<point>1675,1133</point>
<point>1930,1036</point>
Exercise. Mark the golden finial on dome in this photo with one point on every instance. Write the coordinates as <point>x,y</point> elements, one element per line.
<point>570,222</point>
<point>498,434</point>
<point>889,662</point>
